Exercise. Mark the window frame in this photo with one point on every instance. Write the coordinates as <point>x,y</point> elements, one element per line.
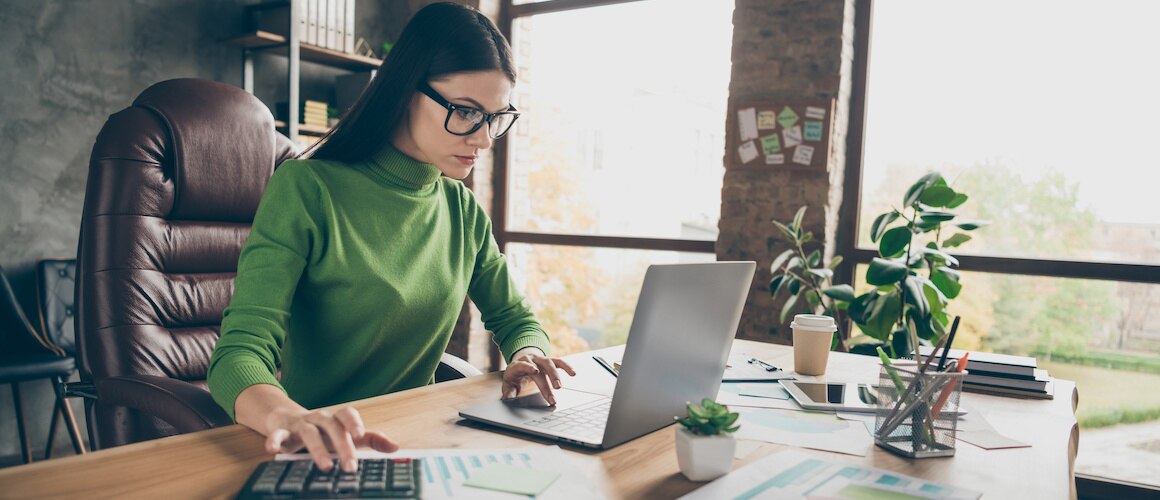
<point>1087,486</point>
<point>509,12</point>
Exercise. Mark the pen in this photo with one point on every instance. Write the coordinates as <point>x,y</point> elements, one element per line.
<point>607,366</point>
<point>768,367</point>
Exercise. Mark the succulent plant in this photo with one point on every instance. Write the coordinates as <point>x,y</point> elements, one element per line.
<point>709,418</point>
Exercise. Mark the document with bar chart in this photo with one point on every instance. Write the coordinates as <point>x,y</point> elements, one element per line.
<point>791,474</point>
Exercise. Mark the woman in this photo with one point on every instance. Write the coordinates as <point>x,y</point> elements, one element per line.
<point>361,256</point>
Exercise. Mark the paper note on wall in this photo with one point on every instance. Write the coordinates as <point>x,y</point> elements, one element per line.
<point>766,120</point>
<point>770,144</point>
<point>815,113</point>
<point>787,118</point>
<point>777,159</point>
<point>793,136</point>
<point>804,154</point>
<point>747,120</point>
<point>748,151</point>
<point>813,131</point>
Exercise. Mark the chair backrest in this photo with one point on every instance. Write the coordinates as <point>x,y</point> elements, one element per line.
<point>17,335</point>
<point>55,296</point>
<point>174,182</point>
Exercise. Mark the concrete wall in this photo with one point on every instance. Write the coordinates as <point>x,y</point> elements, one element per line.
<point>67,65</point>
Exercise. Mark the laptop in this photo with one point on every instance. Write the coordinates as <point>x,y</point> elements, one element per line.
<point>677,347</point>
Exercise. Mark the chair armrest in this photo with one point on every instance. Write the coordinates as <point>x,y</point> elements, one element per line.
<point>187,407</point>
<point>452,367</point>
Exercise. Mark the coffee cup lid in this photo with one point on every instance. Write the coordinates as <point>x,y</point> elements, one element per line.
<point>816,322</point>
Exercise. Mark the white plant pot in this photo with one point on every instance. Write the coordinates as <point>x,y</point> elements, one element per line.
<point>702,458</point>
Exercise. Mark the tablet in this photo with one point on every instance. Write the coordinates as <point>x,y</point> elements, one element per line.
<point>833,396</point>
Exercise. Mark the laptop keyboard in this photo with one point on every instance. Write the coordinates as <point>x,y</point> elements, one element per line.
<point>585,421</point>
<point>376,478</point>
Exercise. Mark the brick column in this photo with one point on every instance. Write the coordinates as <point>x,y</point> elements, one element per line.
<point>784,49</point>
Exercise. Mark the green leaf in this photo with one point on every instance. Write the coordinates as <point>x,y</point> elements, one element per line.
<point>697,412</point>
<point>924,225</point>
<point>883,317</point>
<point>860,307</point>
<point>813,300</point>
<point>776,266</point>
<point>959,199</point>
<point>814,259</point>
<point>916,190</point>
<point>971,225</point>
<point>836,262</point>
<point>900,342</point>
<point>782,285</point>
<point>884,272</point>
<point>844,293</point>
<point>794,286</point>
<point>788,307</point>
<point>880,224</point>
<point>775,284</point>
<point>821,273</point>
<point>797,218</point>
<point>934,297</point>
<point>894,242</point>
<point>790,234</point>
<point>808,237</point>
<point>730,419</point>
<point>794,263</point>
<point>947,281</point>
<point>937,196</point>
<point>941,256</point>
<point>936,215</point>
<point>915,296</point>
<point>956,240</point>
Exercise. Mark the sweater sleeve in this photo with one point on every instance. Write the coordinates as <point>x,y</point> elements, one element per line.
<point>254,326</point>
<point>504,311</point>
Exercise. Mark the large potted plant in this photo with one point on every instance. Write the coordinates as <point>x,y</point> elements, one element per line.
<point>913,275</point>
<point>705,444</point>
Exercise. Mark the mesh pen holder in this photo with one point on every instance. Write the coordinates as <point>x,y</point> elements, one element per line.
<point>918,412</point>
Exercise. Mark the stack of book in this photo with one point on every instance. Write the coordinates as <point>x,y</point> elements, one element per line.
<point>1002,374</point>
<point>314,113</point>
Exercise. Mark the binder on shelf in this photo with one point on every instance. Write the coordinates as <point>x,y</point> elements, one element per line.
<point>331,22</point>
<point>348,43</point>
<point>340,25</point>
<point>311,22</point>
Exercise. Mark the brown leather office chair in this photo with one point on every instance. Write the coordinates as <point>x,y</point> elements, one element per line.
<point>174,182</point>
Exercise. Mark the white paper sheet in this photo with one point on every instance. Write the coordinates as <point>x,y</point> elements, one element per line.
<point>804,429</point>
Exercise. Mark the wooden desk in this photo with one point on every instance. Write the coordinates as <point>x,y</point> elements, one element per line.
<point>217,462</point>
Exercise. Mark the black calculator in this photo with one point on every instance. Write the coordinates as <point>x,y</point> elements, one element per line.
<point>376,478</point>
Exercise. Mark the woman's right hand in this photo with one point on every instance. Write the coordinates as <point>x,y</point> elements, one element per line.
<point>322,432</point>
<point>289,427</point>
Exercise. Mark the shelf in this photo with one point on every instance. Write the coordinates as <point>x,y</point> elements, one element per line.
<point>261,40</point>
<point>304,129</point>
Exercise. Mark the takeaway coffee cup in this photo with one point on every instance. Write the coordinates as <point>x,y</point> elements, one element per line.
<point>812,334</point>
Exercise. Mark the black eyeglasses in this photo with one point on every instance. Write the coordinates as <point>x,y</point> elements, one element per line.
<point>465,120</point>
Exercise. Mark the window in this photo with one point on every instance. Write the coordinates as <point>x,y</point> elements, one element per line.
<point>617,163</point>
<point>1043,113</point>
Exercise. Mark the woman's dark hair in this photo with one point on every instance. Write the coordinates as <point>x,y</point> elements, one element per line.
<point>440,39</point>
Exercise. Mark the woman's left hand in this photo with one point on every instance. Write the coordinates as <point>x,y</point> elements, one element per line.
<point>530,362</point>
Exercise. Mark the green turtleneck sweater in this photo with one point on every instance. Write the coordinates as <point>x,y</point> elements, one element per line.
<point>352,279</point>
